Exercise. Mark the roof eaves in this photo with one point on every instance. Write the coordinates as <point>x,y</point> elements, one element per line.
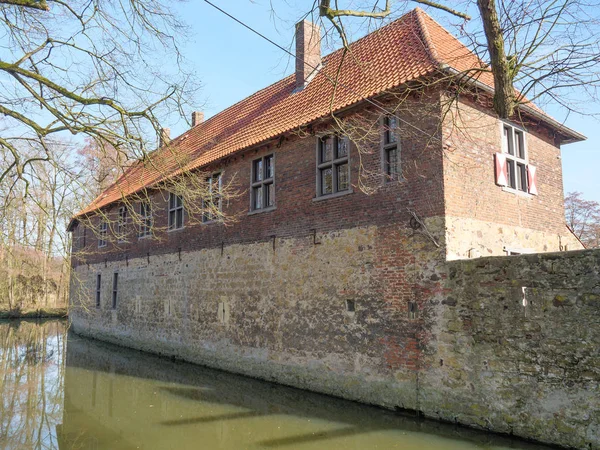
<point>570,134</point>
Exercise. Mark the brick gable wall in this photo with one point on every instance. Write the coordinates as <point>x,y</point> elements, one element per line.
<point>480,215</point>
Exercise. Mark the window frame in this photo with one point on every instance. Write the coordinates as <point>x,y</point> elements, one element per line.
<point>115,290</point>
<point>387,146</point>
<point>263,184</point>
<point>206,216</point>
<point>521,181</point>
<point>146,219</point>
<point>332,164</point>
<point>172,212</point>
<point>122,224</point>
<point>103,234</point>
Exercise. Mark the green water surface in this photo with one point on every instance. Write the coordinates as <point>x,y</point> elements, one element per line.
<point>61,391</point>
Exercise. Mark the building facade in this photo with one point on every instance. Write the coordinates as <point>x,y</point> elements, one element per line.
<point>316,257</point>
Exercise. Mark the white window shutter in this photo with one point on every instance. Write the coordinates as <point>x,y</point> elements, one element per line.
<point>532,179</point>
<point>500,164</point>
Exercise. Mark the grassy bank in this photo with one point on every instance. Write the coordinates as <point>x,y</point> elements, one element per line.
<point>33,313</point>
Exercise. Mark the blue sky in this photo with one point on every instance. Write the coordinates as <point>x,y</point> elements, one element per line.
<point>232,63</point>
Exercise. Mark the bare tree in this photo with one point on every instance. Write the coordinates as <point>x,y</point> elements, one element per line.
<point>89,68</point>
<point>583,217</point>
<point>536,50</point>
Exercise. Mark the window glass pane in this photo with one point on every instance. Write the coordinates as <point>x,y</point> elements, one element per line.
<point>326,149</point>
<point>257,197</point>
<point>269,167</point>
<point>258,170</point>
<point>511,173</point>
<point>342,147</point>
<point>171,219</point>
<point>508,141</point>
<point>270,192</point>
<point>326,181</point>
<point>391,123</point>
<point>179,223</point>
<point>522,177</point>
<point>392,162</point>
<point>519,144</point>
<point>342,177</point>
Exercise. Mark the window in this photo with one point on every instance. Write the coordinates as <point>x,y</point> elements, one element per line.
<point>122,224</point>
<point>513,146</point>
<point>102,234</point>
<point>84,236</point>
<point>115,290</point>
<point>333,170</point>
<point>175,212</point>
<point>391,149</point>
<point>98,289</point>
<point>145,219</point>
<point>263,187</point>
<point>212,204</point>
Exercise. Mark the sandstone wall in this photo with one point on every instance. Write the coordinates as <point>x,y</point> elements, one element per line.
<point>518,347</point>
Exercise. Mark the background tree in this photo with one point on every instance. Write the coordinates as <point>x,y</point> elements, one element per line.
<point>96,69</point>
<point>583,217</point>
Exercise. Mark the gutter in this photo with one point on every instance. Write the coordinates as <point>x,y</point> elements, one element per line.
<point>572,135</point>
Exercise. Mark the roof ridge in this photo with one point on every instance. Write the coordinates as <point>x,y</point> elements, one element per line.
<point>428,41</point>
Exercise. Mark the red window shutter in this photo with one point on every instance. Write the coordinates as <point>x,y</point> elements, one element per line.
<point>532,179</point>
<point>501,177</point>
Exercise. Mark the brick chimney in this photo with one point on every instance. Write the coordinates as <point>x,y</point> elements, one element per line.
<point>165,137</point>
<point>308,52</point>
<point>197,118</point>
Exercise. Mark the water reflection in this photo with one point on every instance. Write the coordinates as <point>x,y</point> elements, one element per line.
<point>121,399</point>
<point>32,356</point>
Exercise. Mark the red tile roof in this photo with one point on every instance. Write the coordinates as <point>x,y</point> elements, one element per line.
<point>409,48</point>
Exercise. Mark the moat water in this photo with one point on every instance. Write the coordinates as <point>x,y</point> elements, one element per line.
<point>61,391</point>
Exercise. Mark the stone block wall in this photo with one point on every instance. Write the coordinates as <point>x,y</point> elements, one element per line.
<point>517,347</point>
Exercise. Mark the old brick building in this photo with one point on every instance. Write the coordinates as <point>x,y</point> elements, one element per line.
<point>332,264</point>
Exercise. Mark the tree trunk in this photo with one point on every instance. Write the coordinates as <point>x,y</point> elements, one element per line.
<point>504,96</point>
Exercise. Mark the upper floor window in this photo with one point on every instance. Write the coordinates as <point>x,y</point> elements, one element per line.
<point>263,187</point>
<point>513,145</point>
<point>333,169</point>
<point>211,204</point>
<point>391,148</point>
<point>102,234</point>
<point>122,224</point>
<point>175,211</point>
<point>513,169</point>
<point>145,219</point>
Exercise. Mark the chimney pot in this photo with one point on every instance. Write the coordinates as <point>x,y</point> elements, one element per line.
<point>197,118</point>
<point>165,136</point>
<point>308,52</point>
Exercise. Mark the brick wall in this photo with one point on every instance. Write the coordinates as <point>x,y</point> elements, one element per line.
<point>483,218</point>
<point>298,213</point>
